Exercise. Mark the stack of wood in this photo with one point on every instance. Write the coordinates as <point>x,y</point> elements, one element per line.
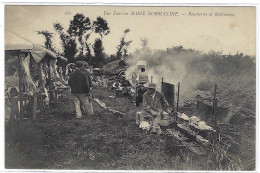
<point>103,105</point>
<point>190,133</point>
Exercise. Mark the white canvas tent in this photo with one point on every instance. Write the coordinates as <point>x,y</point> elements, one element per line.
<point>16,48</point>
<point>16,42</point>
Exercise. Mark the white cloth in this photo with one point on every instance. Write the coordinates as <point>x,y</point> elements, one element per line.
<point>145,125</point>
<point>203,126</point>
<point>194,120</point>
<point>30,86</point>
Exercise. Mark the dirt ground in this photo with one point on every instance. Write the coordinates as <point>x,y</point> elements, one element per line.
<point>103,141</point>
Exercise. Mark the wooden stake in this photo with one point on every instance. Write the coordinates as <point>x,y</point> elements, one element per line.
<point>215,104</point>
<point>35,106</point>
<point>173,98</point>
<point>178,96</point>
<point>162,86</point>
<point>20,77</point>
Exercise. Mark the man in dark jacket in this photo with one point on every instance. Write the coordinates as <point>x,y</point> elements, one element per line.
<point>80,88</point>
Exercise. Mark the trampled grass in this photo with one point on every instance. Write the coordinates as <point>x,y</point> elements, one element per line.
<point>106,141</point>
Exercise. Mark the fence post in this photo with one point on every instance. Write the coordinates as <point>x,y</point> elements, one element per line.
<point>215,104</point>
<point>162,86</point>
<point>20,83</point>
<point>35,105</point>
<point>178,96</point>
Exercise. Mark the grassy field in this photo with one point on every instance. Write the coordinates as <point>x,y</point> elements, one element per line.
<point>107,141</point>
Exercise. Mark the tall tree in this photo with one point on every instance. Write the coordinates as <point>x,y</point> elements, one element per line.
<point>48,39</point>
<point>101,27</point>
<point>99,58</point>
<point>122,48</point>
<point>88,46</point>
<point>68,43</point>
<point>78,27</point>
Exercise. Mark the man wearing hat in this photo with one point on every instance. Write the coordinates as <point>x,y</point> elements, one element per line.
<point>153,106</point>
<point>80,88</point>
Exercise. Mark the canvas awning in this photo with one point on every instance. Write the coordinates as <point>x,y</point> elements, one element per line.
<point>38,52</point>
<point>15,42</point>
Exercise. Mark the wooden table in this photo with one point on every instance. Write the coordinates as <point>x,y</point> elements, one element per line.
<point>59,90</point>
<point>14,101</point>
<point>38,97</point>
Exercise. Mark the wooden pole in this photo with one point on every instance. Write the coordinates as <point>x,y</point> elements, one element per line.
<point>40,76</point>
<point>49,73</point>
<point>151,79</point>
<point>50,92</point>
<point>34,105</point>
<point>178,96</point>
<point>20,77</point>
<point>214,98</point>
<point>173,108</point>
<point>41,88</point>
<point>215,104</point>
<point>162,86</point>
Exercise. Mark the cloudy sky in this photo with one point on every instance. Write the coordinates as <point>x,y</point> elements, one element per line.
<point>193,27</point>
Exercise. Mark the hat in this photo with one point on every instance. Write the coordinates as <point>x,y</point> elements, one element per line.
<point>152,85</point>
<point>71,64</point>
<point>79,63</point>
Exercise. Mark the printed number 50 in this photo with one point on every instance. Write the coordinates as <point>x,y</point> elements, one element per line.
<point>67,13</point>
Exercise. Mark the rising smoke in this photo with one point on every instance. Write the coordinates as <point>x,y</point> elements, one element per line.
<point>173,65</point>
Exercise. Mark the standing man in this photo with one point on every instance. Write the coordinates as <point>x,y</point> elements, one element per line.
<point>80,88</point>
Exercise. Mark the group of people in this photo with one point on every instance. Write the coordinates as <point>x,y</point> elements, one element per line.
<point>153,102</point>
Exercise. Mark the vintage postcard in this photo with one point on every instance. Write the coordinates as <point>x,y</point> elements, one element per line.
<point>130,87</point>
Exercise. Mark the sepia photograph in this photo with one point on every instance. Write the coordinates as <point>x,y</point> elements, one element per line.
<point>110,87</point>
